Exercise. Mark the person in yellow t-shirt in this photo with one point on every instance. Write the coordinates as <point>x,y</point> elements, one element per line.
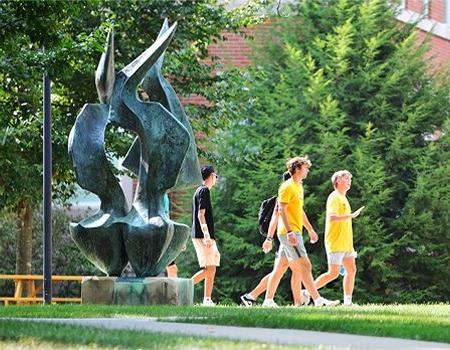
<point>280,266</point>
<point>339,236</point>
<point>290,227</point>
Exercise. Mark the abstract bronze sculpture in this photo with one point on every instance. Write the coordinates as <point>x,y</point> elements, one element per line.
<point>163,155</point>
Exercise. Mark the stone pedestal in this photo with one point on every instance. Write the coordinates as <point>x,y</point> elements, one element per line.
<point>137,291</point>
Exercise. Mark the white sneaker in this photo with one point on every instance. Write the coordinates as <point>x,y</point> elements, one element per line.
<point>350,304</point>
<point>208,302</point>
<point>325,302</point>
<point>269,303</point>
<point>305,298</point>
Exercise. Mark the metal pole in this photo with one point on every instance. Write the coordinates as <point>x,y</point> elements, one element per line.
<point>47,155</point>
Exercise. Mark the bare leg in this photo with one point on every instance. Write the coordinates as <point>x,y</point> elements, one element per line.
<point>172,271</point>
<point>209,281</point>
<point>304,266</point>
<point>281,264</point>
<point>330,275</point>
<point>274,280</point>
<point>261,287</point>
<point>350,273</point>
<point>199,276</point>
<point>296,284</point>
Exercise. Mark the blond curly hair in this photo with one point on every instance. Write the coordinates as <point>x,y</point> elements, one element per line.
<point>338,174</point>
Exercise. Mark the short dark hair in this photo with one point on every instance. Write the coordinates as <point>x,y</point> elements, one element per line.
<point>207,170</point>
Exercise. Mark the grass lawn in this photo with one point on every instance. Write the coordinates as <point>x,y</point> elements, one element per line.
<point>33,335</point>
<point>419,322</point>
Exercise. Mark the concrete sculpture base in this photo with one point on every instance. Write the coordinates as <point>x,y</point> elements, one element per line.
<point>137,291</point>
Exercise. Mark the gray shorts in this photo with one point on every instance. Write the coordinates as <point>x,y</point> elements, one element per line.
<point>280,253</point>
<point>336,258</point>
<point>293,252</point>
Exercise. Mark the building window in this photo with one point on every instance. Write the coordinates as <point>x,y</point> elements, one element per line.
<point>447,11</point>
<point>426,8</point>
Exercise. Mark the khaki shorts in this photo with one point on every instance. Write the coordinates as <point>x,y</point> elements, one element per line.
<point>207,256</point>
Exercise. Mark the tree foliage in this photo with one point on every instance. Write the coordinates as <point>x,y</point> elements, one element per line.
<point>65,39</point>
<point>67,259</point>
<point>347,84</point>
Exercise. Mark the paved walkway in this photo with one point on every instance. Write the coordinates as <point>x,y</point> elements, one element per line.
<point>266,335</point>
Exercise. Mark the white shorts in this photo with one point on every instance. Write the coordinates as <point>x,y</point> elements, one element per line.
<point>207,256</point>
<point>336,258</point>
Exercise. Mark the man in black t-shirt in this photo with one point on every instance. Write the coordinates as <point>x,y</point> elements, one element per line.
<point>203,235</point>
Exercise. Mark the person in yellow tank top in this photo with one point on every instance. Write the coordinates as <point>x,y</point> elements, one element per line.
<point>339,236</point>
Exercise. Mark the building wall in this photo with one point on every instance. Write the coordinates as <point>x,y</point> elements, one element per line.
<point>414,5</point>
<point>236,51</point>
<point>439,50</point>
<point>435,19</point>
<point>233,51</point>
<point>437,10</point>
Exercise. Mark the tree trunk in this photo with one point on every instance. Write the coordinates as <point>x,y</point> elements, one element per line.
<point>24,241</point>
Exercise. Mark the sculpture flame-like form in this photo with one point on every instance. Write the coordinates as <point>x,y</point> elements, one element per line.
<point>163,155</point>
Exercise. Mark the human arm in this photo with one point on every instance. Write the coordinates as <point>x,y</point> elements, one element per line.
<point>204,227</point>
<point>204,204</point>
<point>342,217</point>
<point>267,244</point>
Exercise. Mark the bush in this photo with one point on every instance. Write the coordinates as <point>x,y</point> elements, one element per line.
<point>66,258</point>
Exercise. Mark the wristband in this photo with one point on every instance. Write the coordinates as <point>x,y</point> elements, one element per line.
<point>270,239</point>
<point>204,228</point>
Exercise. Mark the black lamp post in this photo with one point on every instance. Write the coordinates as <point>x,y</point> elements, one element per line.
<point>47,192</point>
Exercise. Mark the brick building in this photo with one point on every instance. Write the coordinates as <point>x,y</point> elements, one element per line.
<point>433,16</point>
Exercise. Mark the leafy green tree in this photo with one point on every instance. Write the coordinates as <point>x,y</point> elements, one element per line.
<point>26,29</point>
<point>345,83</point>
<point>66,38</point>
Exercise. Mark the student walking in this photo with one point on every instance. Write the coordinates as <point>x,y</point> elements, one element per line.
<point>280,266</point>
<point>339,236</point>
<point>203,235</point>
<point>290,227</point>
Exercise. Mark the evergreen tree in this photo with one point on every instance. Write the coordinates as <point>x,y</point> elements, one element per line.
<point>423,251</point>
<point>66,39</point>
<point>345,83</point>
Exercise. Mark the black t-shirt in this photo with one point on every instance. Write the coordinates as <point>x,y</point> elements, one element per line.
<point>202,200</point>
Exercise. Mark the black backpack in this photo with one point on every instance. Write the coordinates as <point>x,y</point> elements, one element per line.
<point>265,214</point>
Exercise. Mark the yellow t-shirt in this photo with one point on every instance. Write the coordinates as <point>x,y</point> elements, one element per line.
<point>291,193</point>
<point>338,234</point>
